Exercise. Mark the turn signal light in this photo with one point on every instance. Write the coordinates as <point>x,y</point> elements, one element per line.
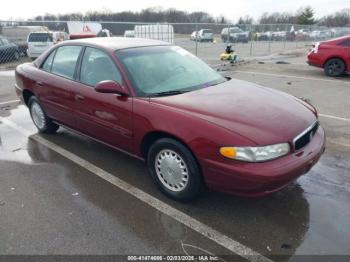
<point>229,152</point>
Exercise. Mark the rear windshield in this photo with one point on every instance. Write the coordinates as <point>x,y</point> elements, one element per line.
<point>40,37</point>
<point>207,31</point>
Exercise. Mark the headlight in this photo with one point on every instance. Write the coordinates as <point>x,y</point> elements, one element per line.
<point>255,154</point>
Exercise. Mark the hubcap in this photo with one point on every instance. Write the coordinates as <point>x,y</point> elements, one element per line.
<point>171,170</point>
<point>38,115</point>
<point>334,68</point>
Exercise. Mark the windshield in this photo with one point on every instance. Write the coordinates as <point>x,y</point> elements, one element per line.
<point>166,69</point>
<point>236,30</point>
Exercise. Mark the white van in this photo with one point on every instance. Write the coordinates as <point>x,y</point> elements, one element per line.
<point>39,42</point>
<point>163,32</point>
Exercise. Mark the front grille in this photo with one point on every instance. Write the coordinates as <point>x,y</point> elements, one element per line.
<point>305,137</point>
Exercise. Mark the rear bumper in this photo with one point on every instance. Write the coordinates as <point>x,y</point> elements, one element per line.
<point>314,60</point>
<point>259,179</point>
<point>19,93</point>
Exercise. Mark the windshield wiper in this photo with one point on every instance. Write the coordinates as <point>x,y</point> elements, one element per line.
<point>169,93</point>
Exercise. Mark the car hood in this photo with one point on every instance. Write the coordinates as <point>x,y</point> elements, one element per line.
<point>260,114</point>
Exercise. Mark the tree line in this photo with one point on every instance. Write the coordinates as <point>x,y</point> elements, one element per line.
<point>304,16</point>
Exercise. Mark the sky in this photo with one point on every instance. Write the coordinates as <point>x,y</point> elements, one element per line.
<point>232,9</point>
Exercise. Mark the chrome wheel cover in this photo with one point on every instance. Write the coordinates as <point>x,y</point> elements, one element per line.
<point>171,170</point>
<point>38,115</point>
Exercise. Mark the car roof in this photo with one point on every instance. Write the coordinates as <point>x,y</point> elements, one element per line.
<point>118,43</point>
<point>40,32</point>
<point>109,43</point>
<point>337,40</point>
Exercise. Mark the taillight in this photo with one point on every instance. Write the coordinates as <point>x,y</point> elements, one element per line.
<point>315,47</point>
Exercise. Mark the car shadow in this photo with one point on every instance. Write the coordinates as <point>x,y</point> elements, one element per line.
<point>272,225</point>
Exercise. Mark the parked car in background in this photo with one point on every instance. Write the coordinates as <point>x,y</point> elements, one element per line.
<point>332,55</point>
<point>194,36</point>
<point>264,36</point>
<point>104,33</point>
<point>302,34</point>
<point>279,35</point>
<point>129,33</point>
<point>132,94</point>
<point>39,42</point>
<point>234,34</point>
<point>8,50</point>
<point>339,32</point>
<point>320,35</point>
<point>205,35</point>
<point>19,35</point>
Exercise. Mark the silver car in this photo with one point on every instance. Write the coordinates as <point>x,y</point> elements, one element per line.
<point>205,35</point>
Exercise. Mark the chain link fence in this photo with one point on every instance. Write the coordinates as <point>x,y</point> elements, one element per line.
<point>20,41</point>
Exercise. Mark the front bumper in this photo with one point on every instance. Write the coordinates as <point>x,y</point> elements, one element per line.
<point>259,179</point>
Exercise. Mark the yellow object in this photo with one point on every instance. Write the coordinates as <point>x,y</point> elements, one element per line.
<point>225,56</point>
<point>229,152</point>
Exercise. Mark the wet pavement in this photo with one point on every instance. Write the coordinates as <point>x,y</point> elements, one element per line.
<point>50,205</point>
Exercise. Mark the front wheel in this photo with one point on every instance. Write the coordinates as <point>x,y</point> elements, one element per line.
<point>334,67</point>
<point>42,122</point>
<point>174,169</point>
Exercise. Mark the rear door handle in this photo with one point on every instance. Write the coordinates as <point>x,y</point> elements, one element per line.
<point>79,98</point>
<point>40,83</point>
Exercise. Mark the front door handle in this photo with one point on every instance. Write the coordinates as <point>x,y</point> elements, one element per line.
<point>40,83</point>
<point>79,98</point>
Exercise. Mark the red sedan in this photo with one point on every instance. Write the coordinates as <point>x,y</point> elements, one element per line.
<point>195,128</point>
<point>332,55</point>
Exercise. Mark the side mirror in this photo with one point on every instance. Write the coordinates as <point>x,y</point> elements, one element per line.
<point>111,87</point>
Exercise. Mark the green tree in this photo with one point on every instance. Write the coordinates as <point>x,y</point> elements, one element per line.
<point>306,16</point>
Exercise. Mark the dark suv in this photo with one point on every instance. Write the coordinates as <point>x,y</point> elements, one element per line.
<point>8,50</point>
<point>234,35</point>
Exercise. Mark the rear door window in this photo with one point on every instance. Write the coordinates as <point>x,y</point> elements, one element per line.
<point>65,61</point>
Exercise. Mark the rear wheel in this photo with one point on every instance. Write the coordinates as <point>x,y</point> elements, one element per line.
<point>42,122</point>
<point>334,67</point>
<point>174,169</point>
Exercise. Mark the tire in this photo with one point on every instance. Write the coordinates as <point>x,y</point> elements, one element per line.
<point>42,122</point>
<point>334,67</point>
<point>174,169</point>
